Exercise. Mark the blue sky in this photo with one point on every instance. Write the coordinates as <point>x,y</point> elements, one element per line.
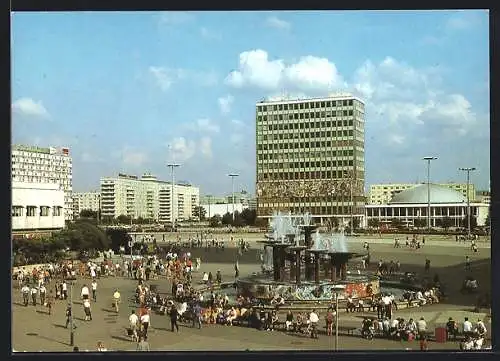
<point>131,91</point>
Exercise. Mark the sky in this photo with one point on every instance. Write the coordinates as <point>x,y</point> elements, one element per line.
<point>132,91</point>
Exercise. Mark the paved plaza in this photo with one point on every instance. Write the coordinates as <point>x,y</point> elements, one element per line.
<point>34,330</point>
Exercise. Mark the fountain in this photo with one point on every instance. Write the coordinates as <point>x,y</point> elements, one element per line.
<point>295,255</point>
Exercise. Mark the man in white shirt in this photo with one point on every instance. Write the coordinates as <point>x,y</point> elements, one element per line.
<point>421,327</point>
<point>64,290</point>
<point>87,310</point>
<point>34,293</point>
<point>467,327</point>
<point>394,324</point>
<point>145,321</point>
<point>313,317</point>
<point>43,293</point>
<point>480,328</point>
<point>85,292</point>
<point>94,290</point>
<point>26,294</point>
<point>133,320</point>
<point>117,300</point>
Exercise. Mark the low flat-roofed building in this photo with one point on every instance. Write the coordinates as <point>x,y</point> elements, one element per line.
<point>37,206</point>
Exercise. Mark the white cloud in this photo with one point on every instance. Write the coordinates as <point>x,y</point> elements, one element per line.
<point>165,77</point>
<point>310,74</point>
<point>396,139</point>
<point>175,18</point>
<point>209,34</point>
<point>29,107</point>
<point>129,156</point>
<point>182,149</point>
<point>236,139</point>
<point>205,146</point>
<point>277,23</point>
<point>237,123</point>
<point>225,104</point>
<point>204,125</point>
<point>462,20</point>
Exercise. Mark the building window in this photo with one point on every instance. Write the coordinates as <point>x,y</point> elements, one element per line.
<point>44,211</point>
<point>31,211</point>
<point>57,211</point>
<point>17,211</point>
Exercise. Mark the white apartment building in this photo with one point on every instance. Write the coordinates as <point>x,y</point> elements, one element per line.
<point>32,164</point>
<point>86,200</point>
<point>383,193</point>
<point>147,197</point>
<point>37,206</point>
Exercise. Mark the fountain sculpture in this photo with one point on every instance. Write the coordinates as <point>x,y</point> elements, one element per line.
<point>296,264</point>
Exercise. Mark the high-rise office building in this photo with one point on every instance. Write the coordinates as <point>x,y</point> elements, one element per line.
<point>310,157</point>
<point>86,201</point>
<point>147,197</point>
<point>32,164</point>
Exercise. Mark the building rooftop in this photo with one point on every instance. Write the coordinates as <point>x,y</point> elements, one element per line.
<point>289,99</point>
<point>418,194</point>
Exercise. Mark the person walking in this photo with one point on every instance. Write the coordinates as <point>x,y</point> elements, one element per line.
<point>26,295</point>
<point>116,300</point>
<point>94,290</point>
<point>143,344</point>
<point>87,310</point>
<point>197,316</point>
<point>64,290</point>
<point>133,319</point>
<point>43,292</point>
<point>145,322</point>
<point>85,293</point>
<point>467,263</point>
<point>34,293</point>
<point>174,315</point>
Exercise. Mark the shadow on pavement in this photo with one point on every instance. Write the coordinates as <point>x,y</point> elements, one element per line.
<point>122,338</point>
<point>109,311</point>
<point>48,339</point>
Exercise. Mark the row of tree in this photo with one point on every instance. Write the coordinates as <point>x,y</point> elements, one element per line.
<point>78,238</point>
<point>248,217</point>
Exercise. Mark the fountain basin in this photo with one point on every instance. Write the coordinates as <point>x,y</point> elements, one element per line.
<point>356,286</point>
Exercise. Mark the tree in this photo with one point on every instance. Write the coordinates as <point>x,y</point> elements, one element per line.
<point>396,223</point>
<point>85,236</point>
<point>356,223</point>
<point>88,213</point>
<point>200,213</point>
<point>227,219</point>
<point>420,222</point>
<point>473,222</point>
<point>446,223</point>
<point>123,219</point>
<point>107,220</point>
<point>118,237</point>
<point>249,216</point>
<point>487,221</point>
<point>373,222</point>
<point>215,221</point>
<point>239,221</point>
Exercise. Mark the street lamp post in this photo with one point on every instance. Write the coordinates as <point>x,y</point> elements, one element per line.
<point>468,170</point>
<point>429,159</point>
<point>336,289</point>
<point>232,175</point>
<point>71,323</point>
<point>172,167</point>
<point>209,198</point>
